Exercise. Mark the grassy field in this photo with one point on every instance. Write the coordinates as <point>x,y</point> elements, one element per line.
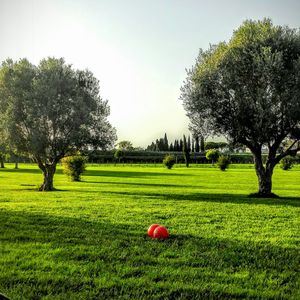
<point>88,240</point>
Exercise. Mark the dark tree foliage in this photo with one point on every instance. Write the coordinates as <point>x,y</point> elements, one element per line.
<point>180,145</point>
<point>202,144</point>
<point>189,143</point>
<point>151,147</point>
<point>248,90</point>
<point>161,144</point>
<point>52,111</point>
<point>197,145</point>
<point>166,143</point>
<point>186,151</point>
<point>176,145</point>
<point>193,145</point>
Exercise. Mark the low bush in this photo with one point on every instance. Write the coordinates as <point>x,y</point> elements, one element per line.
<point>119,155</point>
<point>169,161</point>
<point>223,162</point>
<point>212,155</point>
<point>74,166</point>
<point>286,163</point>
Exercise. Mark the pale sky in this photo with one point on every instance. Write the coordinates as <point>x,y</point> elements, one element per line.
<point>138,49</point>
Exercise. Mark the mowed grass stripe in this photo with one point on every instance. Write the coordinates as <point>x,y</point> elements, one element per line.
<point>88,239</point>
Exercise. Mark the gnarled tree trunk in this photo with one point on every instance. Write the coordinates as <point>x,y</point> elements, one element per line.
<point>264,175</point>
<point>48,172</point>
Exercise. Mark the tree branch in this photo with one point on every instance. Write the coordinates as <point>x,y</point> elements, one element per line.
<point>289,151</point>
<point>40,163</point>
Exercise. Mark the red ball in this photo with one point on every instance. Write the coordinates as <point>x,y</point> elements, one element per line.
<point>161,232</point>
<point>151,229</point>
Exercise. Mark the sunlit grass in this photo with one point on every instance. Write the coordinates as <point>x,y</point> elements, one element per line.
<point>88,240</point>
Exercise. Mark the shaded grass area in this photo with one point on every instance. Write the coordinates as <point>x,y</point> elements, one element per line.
<point>88,241</point>
<point>86,258</point>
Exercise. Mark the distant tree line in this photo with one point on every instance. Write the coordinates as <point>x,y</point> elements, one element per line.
<point>162,144</point>
<point>194,144</point>
<point>136,157</point>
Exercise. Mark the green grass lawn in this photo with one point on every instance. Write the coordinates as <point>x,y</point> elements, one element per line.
<point>88,240</point>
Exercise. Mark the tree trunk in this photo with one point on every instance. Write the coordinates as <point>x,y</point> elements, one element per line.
<point>48,172</point>
<point>2,163</point>
<point>17,163</point>
<point>187,163</point>
<point>264,175</point>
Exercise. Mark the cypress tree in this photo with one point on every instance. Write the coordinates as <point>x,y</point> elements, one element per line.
<point>161,144</point>
<point>157,145</point>
<point>153,146</point>
<point>197,146</point>
<point>175,145</point>
<point>186,152</point>
<point>180,145</point>
<point>189,144</point>
<point>202,144</point>
<point>166,143</point>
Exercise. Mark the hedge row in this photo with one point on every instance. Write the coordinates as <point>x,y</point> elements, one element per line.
<point>157,157</point>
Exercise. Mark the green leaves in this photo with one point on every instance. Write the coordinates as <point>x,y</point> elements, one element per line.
<point>248,90</point>
<point>52,109</point>
<point>74,166</point>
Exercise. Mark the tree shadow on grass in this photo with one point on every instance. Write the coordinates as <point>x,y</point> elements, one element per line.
<point>141,184</point>
<point>27,170</point>
<point>129,174</point>
<point>43,193</point>
<point>119,251</point>
<point>102,173</point>
<point>211,197</point>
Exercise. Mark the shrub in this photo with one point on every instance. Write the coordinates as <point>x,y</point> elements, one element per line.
<point>169,161</point>
<point>119,154</point>
<point>286,163</point>
<point>74,166</point>
<point>212,155</point>
<point>223,162</point>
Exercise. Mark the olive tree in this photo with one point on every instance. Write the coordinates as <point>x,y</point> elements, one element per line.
<point>249,91</point>
<point>51,111</point>
<point>125,146</point>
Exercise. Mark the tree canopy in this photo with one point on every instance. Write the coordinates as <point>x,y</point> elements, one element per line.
<point>249,90</point>
<point>52,110</point>
<point>125,146</point>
